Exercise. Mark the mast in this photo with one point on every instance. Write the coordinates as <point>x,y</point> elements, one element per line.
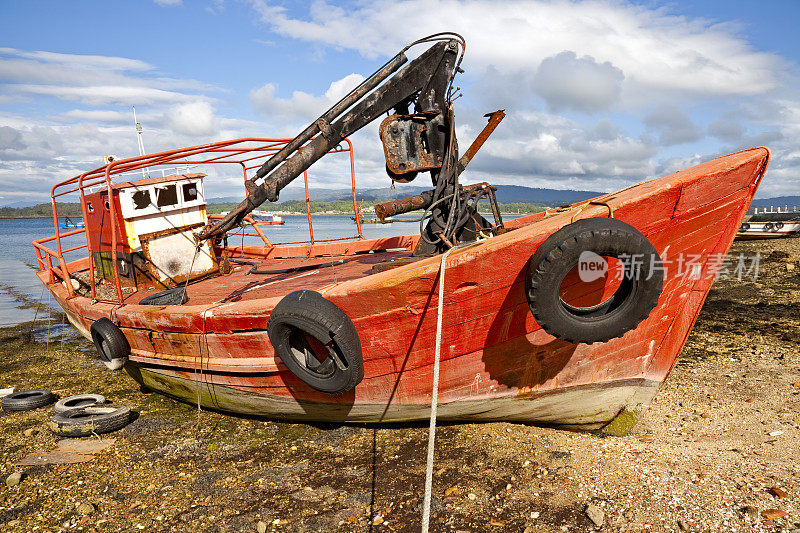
<point>138,127</point>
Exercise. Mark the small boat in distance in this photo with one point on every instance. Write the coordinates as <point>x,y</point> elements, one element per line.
<point>388,220</point>
<point>72,224</point>
<point>770,223</point>
<point>264,217</point>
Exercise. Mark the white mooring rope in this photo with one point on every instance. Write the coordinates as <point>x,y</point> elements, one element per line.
<point>426,503</point>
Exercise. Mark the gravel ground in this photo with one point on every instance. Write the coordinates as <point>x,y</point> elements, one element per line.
<point>717,451</point>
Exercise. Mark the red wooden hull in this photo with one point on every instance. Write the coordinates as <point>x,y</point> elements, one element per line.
<point>496,362</point>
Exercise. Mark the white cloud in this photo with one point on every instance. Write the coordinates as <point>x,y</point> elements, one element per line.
<point>103,94</point>
<point>301,107</point>
<point>674,164</point>
<point>194,118</point>
<point>79,60</point>
<point>727,129</point>
<point>655,50</point>
<point>36,152</point>
<point>35,156</point>
<point>216,7</point>
<point>10,139</point>
<point>169,3</point>
<point>90,79</point>
<point>540,149</point>
<point>567,82</point>
<point>673,126</point>
<point>98,115</point>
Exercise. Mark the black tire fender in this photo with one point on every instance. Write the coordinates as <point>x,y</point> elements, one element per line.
<point>303,324</point>
<point>78,400</point>
<point>26,400</point>
<point>744,227</point>
<point>84,421</point>
<point>779,225</point>
<point>111,344</point>
<point>176,296</point>
<point>769,226</point>
<point>632,302</point>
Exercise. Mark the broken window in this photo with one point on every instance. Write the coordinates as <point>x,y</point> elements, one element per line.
<point>166,196</point>
<point>189,192</point>
<point>141,199</point>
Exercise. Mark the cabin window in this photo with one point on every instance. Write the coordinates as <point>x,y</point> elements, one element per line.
<point>166,196</point>
<point>141,199</point>
<point>107,205</point>
<point>89,207</point>
<point>189,192</point>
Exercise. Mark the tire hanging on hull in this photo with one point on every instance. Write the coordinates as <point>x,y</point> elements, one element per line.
<point>637,294</point>
<point>111,344</point>
<point>317,341</point>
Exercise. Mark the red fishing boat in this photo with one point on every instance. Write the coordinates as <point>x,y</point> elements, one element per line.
<point>570,317</point>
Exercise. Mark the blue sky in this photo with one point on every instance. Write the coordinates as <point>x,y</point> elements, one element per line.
<point>599,94</point>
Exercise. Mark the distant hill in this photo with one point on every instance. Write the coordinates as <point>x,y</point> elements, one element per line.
<point>329,195</point>
<point>553,197</point>
<point>506,194</point>
<point>19,203</point>
<point>778,201</point>
<point>65,209</point>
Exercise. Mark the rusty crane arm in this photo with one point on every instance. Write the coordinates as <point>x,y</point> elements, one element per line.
<point>418,136</point>
<point>423,83</point>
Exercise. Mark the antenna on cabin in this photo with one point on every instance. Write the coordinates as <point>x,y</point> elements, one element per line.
<point>138,126</point>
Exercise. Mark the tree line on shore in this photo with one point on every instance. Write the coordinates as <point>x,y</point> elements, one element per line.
<point>73,209</point>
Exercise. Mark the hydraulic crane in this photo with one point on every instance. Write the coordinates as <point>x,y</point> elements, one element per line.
<point>417,136</point>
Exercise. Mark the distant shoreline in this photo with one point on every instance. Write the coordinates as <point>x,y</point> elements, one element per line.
<point>281,213</point>
<point>3,217</point>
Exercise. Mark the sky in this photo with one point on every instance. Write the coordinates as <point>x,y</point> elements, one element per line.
<point>598,94</point>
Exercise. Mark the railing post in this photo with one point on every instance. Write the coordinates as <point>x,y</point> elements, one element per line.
<point>308,208</point>
<point>353,181</point>
<point>92,266</point>
<point>113,210</point>
<point>61,262</point>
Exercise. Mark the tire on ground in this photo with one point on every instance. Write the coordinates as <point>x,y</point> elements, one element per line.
<point>111,344</point>
<point>78,400</point>
<point>303,324</point>
<point>84,421</point>
<point>26,400</point>
<point>633,300</point>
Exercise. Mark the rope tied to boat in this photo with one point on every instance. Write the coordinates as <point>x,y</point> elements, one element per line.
<point>199,347</point>
<point>582,206</point>
<point>426,501</point>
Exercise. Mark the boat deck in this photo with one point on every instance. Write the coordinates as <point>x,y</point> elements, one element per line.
<point>242,285</point>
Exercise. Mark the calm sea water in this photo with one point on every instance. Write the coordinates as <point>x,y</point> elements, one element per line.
<point>21,292</point>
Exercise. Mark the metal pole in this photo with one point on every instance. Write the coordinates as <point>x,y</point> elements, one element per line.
<point>138,127</point>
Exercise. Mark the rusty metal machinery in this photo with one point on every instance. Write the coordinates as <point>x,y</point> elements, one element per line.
<point>417,136</point>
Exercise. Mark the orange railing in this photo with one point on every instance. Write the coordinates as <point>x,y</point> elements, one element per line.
<point>248,154</point>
